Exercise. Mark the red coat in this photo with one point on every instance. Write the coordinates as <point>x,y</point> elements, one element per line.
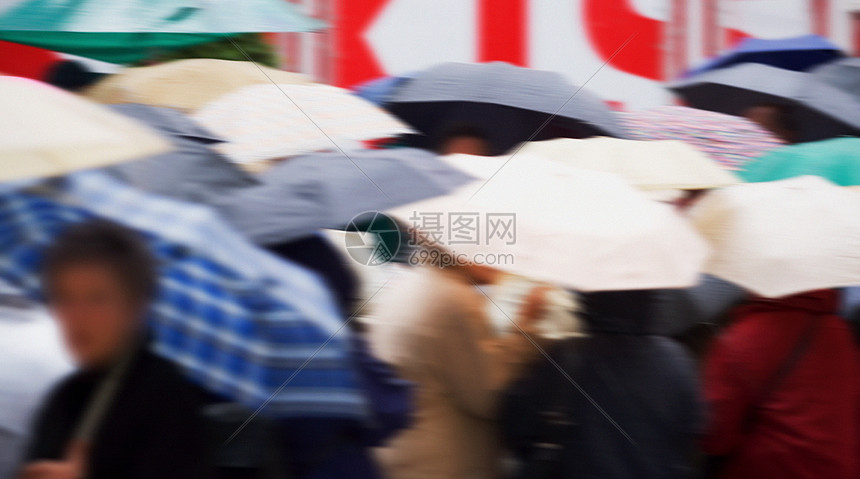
<point>809,426</point>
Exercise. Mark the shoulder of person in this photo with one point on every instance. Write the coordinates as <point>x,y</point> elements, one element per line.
<point>161,378</point>
<point>64,386</point>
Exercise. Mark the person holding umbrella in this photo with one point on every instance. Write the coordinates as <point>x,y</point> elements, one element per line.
<point>434,328</point>
<point>782,383</point>
<point>125,412</point>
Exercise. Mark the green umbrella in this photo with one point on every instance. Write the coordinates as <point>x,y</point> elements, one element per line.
<point>125,31</point>
<point>837,159</point>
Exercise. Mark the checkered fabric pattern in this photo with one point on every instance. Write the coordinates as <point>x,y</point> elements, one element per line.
<point>242,323</point>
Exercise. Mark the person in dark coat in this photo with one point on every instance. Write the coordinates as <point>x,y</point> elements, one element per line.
<point>783,388</point>
<point>125,413</point>
<point>642,412</point>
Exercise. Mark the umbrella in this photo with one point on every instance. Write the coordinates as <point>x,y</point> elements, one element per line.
<point>267,122</point>
<point>193,171</point>
<point>510,103</point>
<point>843,74</point>
<point>648,165</point>
<point>241,322</point>
<point>125,31</point>
<point>581,229</point>
<point>821,111</point>
<point>185,84</point>
<point>783,237</point>
<point>730,140</point>
<point>380,90</point>
<point>837,159</point>
<point>327,190</point>
<point>45,131</point>
<point>793,53</point>
<point>680,310</point>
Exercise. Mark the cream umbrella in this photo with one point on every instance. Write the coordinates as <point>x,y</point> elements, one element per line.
<point>783,237</point>
<point>580,229</point>
<point>45,131</point>
<point>268,122</point>
<point>647,165</point>
<point>186,84</point>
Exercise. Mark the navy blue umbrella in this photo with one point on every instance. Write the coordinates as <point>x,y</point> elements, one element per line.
<point>794,53</point>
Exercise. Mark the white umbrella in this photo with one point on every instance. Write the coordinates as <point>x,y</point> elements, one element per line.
<point>648,165</point>
<point>581,229</point>
<point>267,122</point>
<point>783,237</point>
<point>45,131</point>
<point>185,84</point>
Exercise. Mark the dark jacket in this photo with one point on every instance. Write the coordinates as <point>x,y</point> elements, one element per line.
<point>805,425</point>
<point>642,413</point>
<point>152,429</point>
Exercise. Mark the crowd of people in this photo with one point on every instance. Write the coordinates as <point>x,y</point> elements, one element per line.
<point>471,372</point>
<point>618,395</point>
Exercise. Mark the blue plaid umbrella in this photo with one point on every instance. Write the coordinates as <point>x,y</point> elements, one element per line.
<point>241,322</point>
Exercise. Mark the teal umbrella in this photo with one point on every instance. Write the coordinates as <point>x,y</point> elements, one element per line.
<point>124,31</point>
<point>837,160</point>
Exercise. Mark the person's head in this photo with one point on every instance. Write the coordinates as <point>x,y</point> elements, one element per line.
<point>466,139</point>
<point>71,75</point>
<point>774,118</point>
<point>98,278</point>
<point>688,199</point>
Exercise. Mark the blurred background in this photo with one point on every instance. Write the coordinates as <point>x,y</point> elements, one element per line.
<point>367,39</point>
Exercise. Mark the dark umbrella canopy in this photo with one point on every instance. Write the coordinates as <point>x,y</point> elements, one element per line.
<point>820,110</point>
<point>679,310</point>
<point>510,103</point>
<point>191,171</point>
<point>327,190</point>
<point>843,74</point>
<point>794,53</point>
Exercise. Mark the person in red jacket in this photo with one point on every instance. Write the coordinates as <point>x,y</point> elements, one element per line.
<point>783,387</point>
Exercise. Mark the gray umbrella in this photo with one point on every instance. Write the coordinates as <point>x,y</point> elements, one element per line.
<point>192,171</point>
<point>680,310</point>
<point>454,92</point>
<point>821,110</point>
<point>843,74</point>
<point>327,190</point>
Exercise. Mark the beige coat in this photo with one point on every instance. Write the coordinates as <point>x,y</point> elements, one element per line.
<point>432,326</point>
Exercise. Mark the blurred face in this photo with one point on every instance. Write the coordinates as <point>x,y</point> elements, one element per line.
<point>468,145</point>
<point>97,316</point>
<point>768,117</point>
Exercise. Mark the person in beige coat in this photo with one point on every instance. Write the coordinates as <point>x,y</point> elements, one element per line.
<point>433,327</point>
